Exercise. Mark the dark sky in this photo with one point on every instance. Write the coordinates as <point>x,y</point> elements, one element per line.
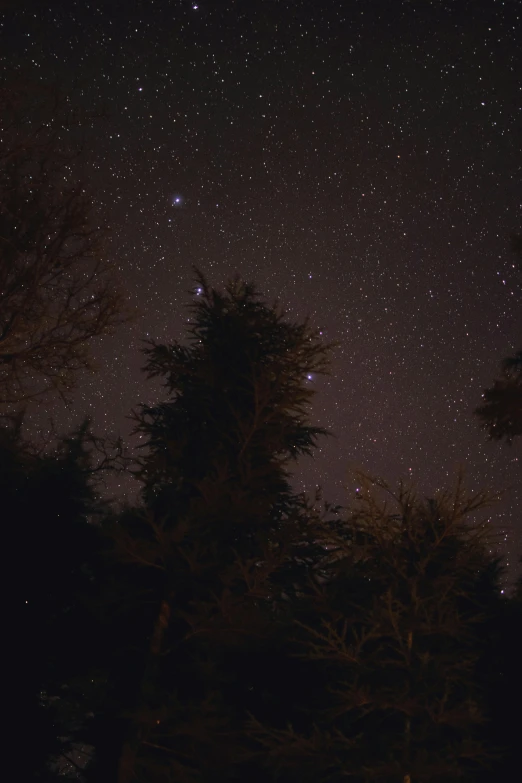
<point>359,160</point>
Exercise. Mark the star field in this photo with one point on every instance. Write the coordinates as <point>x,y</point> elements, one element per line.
<point>361,161</point>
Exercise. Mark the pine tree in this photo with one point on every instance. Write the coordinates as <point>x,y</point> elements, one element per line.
<point>501,416</point>
<point>49,499</point>
<point>391,633</point>
<point>501,678</point>
<point>217,516</point>
<point>501,412</point>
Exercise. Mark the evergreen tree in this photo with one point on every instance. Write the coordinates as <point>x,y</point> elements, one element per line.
<point>214,528</point>
<point>501,416</point>
<point>501,412</point>
<point>391,632</point>
<point>500,675</point>
<point>49,500</point>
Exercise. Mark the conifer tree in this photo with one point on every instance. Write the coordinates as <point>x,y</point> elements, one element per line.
<point>500,676</point>
<point>214,528</point>
<point>49,500</point>
<point>500,415</point>
<point>392,635</point>
<point>501,412</point>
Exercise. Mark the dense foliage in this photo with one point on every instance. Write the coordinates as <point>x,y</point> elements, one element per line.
<point>225,628</point>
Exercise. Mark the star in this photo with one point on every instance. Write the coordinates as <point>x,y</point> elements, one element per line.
<point>413,283</point>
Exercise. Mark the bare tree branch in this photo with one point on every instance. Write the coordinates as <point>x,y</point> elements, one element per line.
<point>58,289</point>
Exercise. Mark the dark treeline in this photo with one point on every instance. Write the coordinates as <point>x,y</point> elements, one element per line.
<point>224,627</point>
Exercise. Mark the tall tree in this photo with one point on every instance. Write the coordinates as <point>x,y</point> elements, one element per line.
<point>58,290</point>
<point>49,500</point>
<point>391,632</point>
<point>501,412</point>
<point>501,416</point>
<point>217,516</point>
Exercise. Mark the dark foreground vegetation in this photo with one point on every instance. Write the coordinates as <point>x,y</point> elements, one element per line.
<point>223,627</point>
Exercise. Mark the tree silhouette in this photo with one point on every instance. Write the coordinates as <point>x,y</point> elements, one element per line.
<point>49,502</point>
<point>58,290</point>
<point>214,528</point>
<point>501,412</point>
<point>392,634</point>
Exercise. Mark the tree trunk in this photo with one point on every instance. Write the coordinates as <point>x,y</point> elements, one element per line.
<point>407,728</point>
<point>130,749</point>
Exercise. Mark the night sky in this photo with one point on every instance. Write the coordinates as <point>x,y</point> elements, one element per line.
<point>359,160</point>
